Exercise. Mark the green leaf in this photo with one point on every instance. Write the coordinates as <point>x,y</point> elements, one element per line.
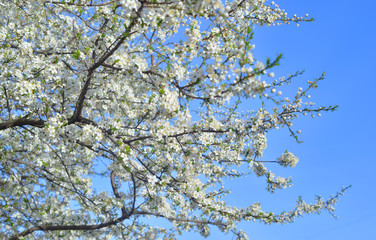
<point>127,168</point>
<point>77,54</point>
<point>127,149</point>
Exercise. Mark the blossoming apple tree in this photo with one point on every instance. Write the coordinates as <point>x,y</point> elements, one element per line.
<point>141,97</point>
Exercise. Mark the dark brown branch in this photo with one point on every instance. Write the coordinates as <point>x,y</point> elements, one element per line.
<point>134,192</point>
<point>85,5</point>
<point>217,223</point>
<point>69,227</point>
<point>7,98</point>
<point>69,66</point>
<point>46,52</point>
<point>21,122</point>
<point>152,72</point>
<point>116,193</point>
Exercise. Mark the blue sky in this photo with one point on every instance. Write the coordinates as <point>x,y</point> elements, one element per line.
<point>338,148</point>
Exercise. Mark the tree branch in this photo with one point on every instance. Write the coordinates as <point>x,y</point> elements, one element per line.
<point>116,193</point>
<point>21,122</point>
<point>68,227</point>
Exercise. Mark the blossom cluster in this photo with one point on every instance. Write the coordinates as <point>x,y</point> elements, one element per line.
<point>288,159</point>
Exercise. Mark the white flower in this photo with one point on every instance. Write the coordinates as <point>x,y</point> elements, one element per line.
<point>26,48</point>
<point>152,179</point>
<point>259,143</point>
<point>259,169</point>
<point>170,100</point>
<point>288,159</point>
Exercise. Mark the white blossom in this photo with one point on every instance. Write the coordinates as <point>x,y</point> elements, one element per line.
<point>288,159</point>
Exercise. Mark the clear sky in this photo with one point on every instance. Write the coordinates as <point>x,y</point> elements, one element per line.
<point>339,148</point>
